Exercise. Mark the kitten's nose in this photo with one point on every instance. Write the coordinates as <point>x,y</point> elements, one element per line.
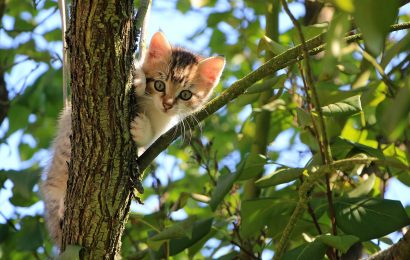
<point>167,103</point>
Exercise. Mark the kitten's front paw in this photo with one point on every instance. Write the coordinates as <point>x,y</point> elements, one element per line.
<point>141,130</point>
<point>139,80</point>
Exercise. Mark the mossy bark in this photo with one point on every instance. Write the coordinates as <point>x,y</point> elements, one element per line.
<point>103,156</point>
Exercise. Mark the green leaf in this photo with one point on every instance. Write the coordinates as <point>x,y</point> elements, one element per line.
<point>4,232</point>
<point>200,244</point>
<point>29,49</point>
<point>392,114</point>
<point>348,106</point>
<point>178,230</point>
<point>244,100</point>
<point>29,236</point>
<point>257,213</point>
<point>335,43</point>
<point>364,188</point>
<point>308,32</point>
<point>369,218</point>
<point>330,93</point>
<point>181,202</point>
<point>279,176</point>
<point>199,230</point>
<point>183,5</point>
<point>26,151</point>
<point>271,83</point>
<point>24,182</point>
<point>374,17</point>
<point>348,68</point>
<point>395,50</point>
<point>313,250</point>
<point>270,45</point>
<point>218,40</point>
<point>215,18</point>
<point>345,5</point>
<point>251,167</point>
<point>304,118</point>
<point>53,35</point>
<point>223,186</point>
<point>342,242</point>
<point>23,25</point>
<point>18,117</point>
<point>72,252</point>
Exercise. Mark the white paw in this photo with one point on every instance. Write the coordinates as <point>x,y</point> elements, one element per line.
<point>141,130</point>
<point>61,208</point>
<point>139,80</point>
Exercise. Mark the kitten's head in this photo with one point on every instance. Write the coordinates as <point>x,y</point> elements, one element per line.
<point>179,81</point>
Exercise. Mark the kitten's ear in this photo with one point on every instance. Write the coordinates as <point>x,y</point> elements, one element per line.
<point>210,69</point>
<point>159,49</point>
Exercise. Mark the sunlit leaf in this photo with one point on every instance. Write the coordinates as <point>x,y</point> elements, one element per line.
<point>393,113</point>
<point>369,218</point>
<point>374,21</point>
<point>364,188</point>
<point>345,5</point>
<point>348,106</point>
<point>280,176</point>
<point>270,45</point>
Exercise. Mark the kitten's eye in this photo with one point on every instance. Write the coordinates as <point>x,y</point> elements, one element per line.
<point>159,85</point>
<point>185,94</point>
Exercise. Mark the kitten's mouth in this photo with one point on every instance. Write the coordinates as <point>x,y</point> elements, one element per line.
<point>166,111</point>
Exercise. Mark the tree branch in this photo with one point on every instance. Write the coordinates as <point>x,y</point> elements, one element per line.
<point>400,250</point>
<point>287,58</point>
<point>140,26</point>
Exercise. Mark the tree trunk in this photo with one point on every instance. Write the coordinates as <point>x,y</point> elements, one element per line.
<point>103,156</point>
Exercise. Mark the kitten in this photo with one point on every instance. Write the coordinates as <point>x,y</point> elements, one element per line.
<point>171,84</point>
<point>178,83</point>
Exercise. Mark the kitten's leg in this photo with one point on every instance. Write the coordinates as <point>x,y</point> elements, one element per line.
<point>141,130</point>
<point>55,185</point>
<point>139,80</point>
<point>54,193</point>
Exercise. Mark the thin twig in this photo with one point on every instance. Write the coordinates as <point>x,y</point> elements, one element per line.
<point>66,65</point>
<point>140,26</point>
<point>243,249</point>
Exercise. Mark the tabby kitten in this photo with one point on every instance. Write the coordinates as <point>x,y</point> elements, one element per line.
<point>171,84</point>
<point>178,83</point>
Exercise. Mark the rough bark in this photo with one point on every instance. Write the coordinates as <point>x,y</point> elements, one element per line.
<point>398,251</point>
<point>103,157</point>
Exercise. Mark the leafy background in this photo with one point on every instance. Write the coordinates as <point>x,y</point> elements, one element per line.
<point>195,201</point>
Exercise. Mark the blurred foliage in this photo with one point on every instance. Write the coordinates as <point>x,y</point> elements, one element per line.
<point>363,90</point>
